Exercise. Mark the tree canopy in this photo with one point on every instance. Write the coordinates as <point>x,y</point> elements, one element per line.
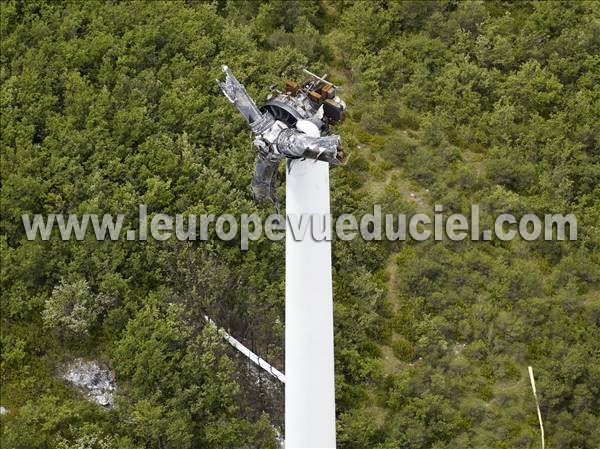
<point>108,105</point>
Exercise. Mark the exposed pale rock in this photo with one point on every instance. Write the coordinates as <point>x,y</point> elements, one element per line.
<point>96,382</point>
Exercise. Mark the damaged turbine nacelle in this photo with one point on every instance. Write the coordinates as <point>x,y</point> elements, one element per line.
<point>293,125</point>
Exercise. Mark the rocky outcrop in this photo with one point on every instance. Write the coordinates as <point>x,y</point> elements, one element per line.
<point>95,381</point>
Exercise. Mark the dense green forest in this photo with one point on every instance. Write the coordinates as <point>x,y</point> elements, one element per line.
<point>107,105</point>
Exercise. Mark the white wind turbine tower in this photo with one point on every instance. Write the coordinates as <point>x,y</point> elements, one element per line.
<point>309,363</point>
<point>290,125</point>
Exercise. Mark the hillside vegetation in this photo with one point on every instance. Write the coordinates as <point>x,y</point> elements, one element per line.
<point>107,105</point>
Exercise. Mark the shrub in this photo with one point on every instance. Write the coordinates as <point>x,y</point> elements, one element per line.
<point>71,309</point>
<point>403,349</point>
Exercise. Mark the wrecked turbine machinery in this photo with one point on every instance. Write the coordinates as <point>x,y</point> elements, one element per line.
<point>293,124</point>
